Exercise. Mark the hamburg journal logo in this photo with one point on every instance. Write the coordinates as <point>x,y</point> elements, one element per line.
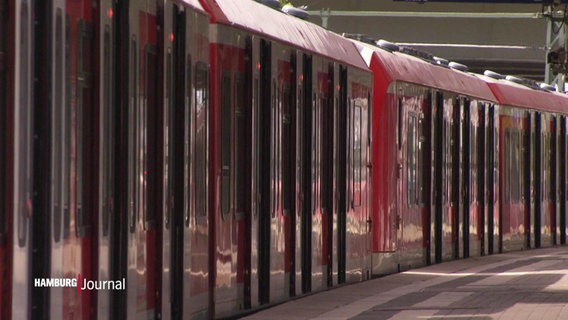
<point>80,283</point>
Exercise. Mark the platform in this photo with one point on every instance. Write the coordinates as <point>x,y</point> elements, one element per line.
<point>520,285</point>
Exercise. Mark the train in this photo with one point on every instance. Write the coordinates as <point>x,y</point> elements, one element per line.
<point>198,159</point>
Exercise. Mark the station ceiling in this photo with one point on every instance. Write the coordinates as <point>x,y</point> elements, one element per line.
<point>506,38</point>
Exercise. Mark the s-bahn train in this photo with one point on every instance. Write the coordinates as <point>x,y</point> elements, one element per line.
<point>168,159</point>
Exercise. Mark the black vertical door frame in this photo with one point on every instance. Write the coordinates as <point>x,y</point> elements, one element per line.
<point>438,174</point>
<point>178,122</point>
<point>466,175</point>
<point>119,234</point>
<point>306,227</point>
<point>527,148</point>
<point>562,179</point>
<point>40,51</point>
<point>264,132</point>
<point>289,162</point>
<point>491,179</point>
<point>537,178</point>
<point>342,174</point>
<point>456,176</point>
<point>481,187</point>
<point>327,148</point>
<point>553,177</point>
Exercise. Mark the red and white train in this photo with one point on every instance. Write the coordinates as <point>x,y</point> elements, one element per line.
<point>168,159</point>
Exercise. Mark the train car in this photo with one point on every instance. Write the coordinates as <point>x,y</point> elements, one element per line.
<point>289,147</point>
<point>532,163</point>
<point>430,142</point>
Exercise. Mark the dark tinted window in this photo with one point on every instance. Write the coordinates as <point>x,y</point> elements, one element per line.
<point>225,143</point>
<point>201,139</point>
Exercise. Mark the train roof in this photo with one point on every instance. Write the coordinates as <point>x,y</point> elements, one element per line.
<point>195,4</point>
<point>397,66</point>
<point>262,20</point>
<point>509,93</point>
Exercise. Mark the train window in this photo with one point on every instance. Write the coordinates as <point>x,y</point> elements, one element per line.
<point>549,162</point>
<point>287,162</point>
<point>315,153</point>
<point>273,148</point>
<point>473,154</point>
<point>150,88</point>
<point>225,147</point>
<point>543,149</point>
<point>421,156</point>
<point>325,143</point>
<point>399,117</point>
<point>84,106</point>
<point>411,160</point>
<point>357,154</point>
<point>507,173</point>
<point>132,135</point>
<point>522,160</point>
<point>108,133</point>
<point>201,118</point>
<point>517,170</point>
<point>256,145</point>
<point>187,145</point>
<point>57,127</point>
<point>240,146</point>
<point>169,137</point>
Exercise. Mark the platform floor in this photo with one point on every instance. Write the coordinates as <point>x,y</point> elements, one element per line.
<point>520,285</point>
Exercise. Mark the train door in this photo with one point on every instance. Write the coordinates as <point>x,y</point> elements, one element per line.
<point>322,173</point>
<point>74,135</point>
<point>447,175</point>
<point>137,189</point>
